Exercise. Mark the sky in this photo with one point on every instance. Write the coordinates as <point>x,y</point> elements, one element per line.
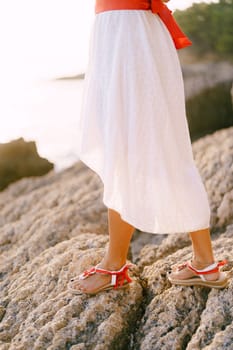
<point>42,37</point>
<point>42,40</point>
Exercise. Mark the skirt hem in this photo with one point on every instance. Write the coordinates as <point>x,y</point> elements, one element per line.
<point>131,221</point>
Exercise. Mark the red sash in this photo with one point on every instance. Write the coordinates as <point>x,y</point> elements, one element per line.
<point>156,6</point>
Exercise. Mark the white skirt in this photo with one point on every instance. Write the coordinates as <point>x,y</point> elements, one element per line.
<point>133,130</point>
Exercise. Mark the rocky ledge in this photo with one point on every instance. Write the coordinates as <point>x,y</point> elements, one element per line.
<point>53,227</point>
<point>19,159</point>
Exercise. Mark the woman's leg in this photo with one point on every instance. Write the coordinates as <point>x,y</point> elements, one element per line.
<point>120,234</point>
<point>202,247</point>
<point>202,255</point>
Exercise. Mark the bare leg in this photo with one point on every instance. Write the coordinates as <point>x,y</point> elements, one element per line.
<point>120,234</point>
<point>202,254</point>
<point>202,247</point>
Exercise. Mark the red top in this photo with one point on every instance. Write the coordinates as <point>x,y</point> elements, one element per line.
<point>156,6</point>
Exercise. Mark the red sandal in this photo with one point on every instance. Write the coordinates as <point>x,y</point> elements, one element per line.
<point>199,277</point>
<point>119,279</point>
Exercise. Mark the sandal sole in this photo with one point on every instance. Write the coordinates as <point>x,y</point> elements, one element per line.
<point>106,288</point>
<point>196,281</point>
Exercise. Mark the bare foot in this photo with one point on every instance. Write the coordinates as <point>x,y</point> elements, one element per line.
<point>93,282</point>
<point>183,272</point>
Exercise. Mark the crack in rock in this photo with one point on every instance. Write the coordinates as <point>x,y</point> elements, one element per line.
<point>54,227</point>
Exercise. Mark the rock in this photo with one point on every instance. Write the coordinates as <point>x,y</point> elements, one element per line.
<point>199,76</point>
<point>53,227</point>
<point>151,253</point>
<point>178,317</point>
<point>207,86</point>
<point>19,159</point>
<point>214,157</point>
<point>42,314</point>
<point>193,318</point>
<point>72,77</point>
<point>36,214</point>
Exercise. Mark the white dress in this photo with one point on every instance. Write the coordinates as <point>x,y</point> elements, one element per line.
<point>133,130</point>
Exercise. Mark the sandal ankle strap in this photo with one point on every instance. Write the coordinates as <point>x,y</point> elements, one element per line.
<point>118,277</point>
<point>209,269</point>
<point>213,268</point>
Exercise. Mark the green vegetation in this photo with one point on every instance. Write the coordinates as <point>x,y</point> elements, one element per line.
<point>209,26</point>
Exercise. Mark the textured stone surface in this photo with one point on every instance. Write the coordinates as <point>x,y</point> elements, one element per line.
<point>214,157</point>
<point>177,317</point>
<point>38,214</point>
<point>42,314</point>
<point>54,227</point>
<point>15,153</point>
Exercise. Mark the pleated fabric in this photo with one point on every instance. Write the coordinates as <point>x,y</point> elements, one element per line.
<point>133,130</point>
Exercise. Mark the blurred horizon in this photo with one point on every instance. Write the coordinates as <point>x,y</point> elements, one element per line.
<point>42,41</point>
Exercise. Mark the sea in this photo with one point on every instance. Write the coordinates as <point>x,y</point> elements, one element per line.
<point>41,42</point>
<point>47,112</point>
